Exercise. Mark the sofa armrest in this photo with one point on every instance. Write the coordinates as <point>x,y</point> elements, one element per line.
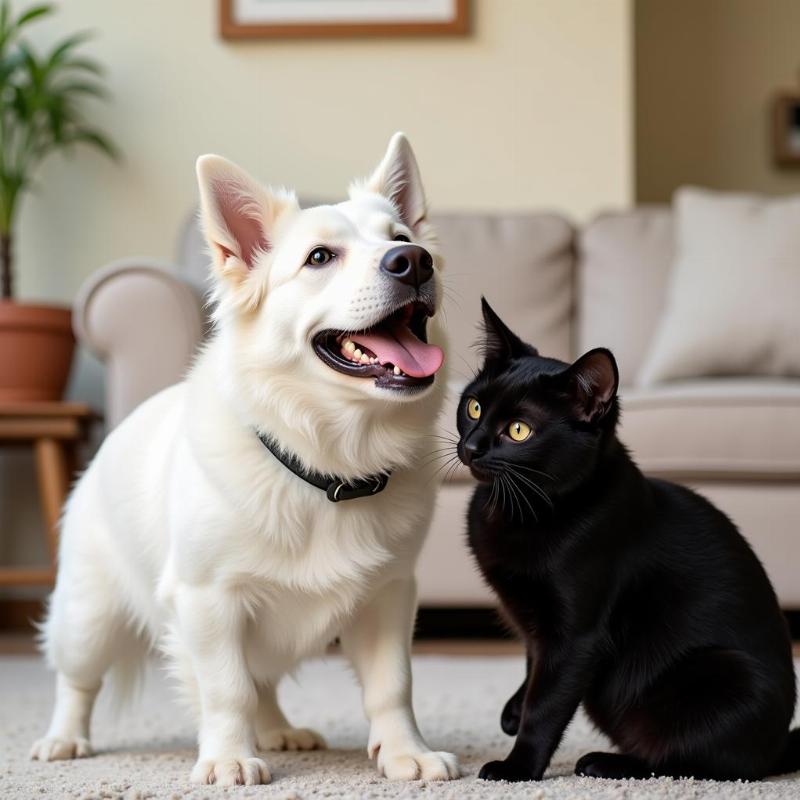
<point>144,323</point>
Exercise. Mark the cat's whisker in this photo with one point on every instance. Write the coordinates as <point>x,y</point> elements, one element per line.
<point>449,474</point>
<point>490,500</point>
<point>439,457</point>
<point>449,448</point>
<point>527,469</point>
<point>502,493</point>
<point>437,452</point>
<point>496,492</point>
<point>453,460</point>
<point>512,492</point>
<point>525,498</point>
<point>445,458</point>
<point>504,484</point>
<point>532,484</point>
<point>441,438</point>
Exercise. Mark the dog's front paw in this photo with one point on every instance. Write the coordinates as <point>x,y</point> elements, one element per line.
<point>231,771</point>
<point>506,771</point>
<point>53,748</point>
<point>290,739</point>
<point>422,765</point>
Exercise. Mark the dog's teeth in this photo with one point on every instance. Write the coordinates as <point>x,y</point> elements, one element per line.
<point>373,361</point>
<point>397,371</point>
<point>349,346</point>
<point>364,358</point>
<point>357,353</point>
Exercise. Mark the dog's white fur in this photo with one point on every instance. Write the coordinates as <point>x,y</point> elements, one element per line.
<point>186,533</point>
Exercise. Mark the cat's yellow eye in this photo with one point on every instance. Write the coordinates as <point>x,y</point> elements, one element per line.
<point>473,408</point>
<point>519,431</point>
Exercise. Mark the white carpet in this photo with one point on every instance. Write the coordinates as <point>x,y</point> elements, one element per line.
<point>149,751</point>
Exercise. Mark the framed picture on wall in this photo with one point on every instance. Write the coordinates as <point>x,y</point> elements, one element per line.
<point>786,130</point>
<point>264,19</point>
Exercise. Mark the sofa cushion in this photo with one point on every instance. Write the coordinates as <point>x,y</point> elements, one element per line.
<point>624,262</point>
<point>732,302</point>
<point>742,428</point>
<point>523,263</point>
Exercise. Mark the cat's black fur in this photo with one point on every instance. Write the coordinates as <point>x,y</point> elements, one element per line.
<point>634,596</point>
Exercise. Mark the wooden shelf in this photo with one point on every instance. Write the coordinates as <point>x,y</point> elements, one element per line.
<point>27,576</point>
<point>53,431</point>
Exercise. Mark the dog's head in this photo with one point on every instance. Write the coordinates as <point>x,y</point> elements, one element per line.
<point>338,296</point>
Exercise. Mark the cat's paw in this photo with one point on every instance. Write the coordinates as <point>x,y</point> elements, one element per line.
<point>512,713</point>
<point>246,771</point>
<point>615,766</point>
<point>53,748</point>
<point>422,765</point>
<point>506,771</point>
<point>290,739</point>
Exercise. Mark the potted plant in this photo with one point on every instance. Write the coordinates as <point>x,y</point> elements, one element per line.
<point>42,101</point>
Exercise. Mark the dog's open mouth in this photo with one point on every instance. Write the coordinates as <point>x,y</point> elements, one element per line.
<point>395,351</point>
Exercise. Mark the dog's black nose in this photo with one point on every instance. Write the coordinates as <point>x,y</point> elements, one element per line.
<point>409,264</point>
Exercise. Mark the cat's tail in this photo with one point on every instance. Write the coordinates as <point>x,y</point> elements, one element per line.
<point>790,758</point>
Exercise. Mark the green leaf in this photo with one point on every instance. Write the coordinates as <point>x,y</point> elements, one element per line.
<point>31,14</point>
<point>85,64</point>
<point>42,103</point>
<point>82,87</point>
<point>95,138</point>
<point>61,51</point>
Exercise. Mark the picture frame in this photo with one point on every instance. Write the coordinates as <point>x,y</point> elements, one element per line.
<point>281,19</point>
<point>786,129</point>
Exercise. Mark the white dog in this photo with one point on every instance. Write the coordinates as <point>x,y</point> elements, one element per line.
<point>191,529</point>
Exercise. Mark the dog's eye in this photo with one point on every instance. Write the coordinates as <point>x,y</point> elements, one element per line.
<point>319,257</point>
<point>473,408</point>
<point>519,431</point>
<point>401,237</point>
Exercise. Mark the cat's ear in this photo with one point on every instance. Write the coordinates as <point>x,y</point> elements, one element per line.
<point>500,343</point>
<point>592,383</point>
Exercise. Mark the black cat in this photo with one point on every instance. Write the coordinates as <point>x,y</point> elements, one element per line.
<point>634,596</point>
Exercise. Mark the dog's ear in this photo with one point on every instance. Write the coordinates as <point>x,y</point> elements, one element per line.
<point>237,216</point>
<point>397,177</point>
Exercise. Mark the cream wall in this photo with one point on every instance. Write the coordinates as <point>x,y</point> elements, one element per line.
<point>706,73</point>
<point>532,110</point>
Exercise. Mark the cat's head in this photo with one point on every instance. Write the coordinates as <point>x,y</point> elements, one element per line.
<point>532,419</point>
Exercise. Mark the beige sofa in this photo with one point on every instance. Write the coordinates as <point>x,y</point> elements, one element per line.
<point>737,440</point>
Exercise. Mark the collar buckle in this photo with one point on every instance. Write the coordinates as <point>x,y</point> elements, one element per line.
<point>342,490</point>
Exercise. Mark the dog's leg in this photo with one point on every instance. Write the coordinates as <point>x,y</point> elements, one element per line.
<point>211,623</point>
<point>68,734</point>
<point>273,731</point>
<point>378,643</point>
<point>83,635</point>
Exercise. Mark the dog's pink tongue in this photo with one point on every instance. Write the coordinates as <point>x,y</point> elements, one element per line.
<point>400,347</point>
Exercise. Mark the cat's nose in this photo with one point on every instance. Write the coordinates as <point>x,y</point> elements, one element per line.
<point>409,264</point>
<point>474,447</point>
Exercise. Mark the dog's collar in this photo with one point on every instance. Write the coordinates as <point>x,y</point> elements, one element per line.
<point>336,489</point>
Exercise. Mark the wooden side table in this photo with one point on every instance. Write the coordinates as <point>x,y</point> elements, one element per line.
<point>54,430</point>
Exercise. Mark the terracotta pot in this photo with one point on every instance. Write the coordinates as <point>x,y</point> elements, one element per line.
<point>36,345</point>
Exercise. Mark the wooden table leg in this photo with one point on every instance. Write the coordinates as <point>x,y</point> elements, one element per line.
<point>53,471</point>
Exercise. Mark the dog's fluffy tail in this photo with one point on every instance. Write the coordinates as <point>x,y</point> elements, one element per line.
<point>790,758</point>
<point>125,678</point>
